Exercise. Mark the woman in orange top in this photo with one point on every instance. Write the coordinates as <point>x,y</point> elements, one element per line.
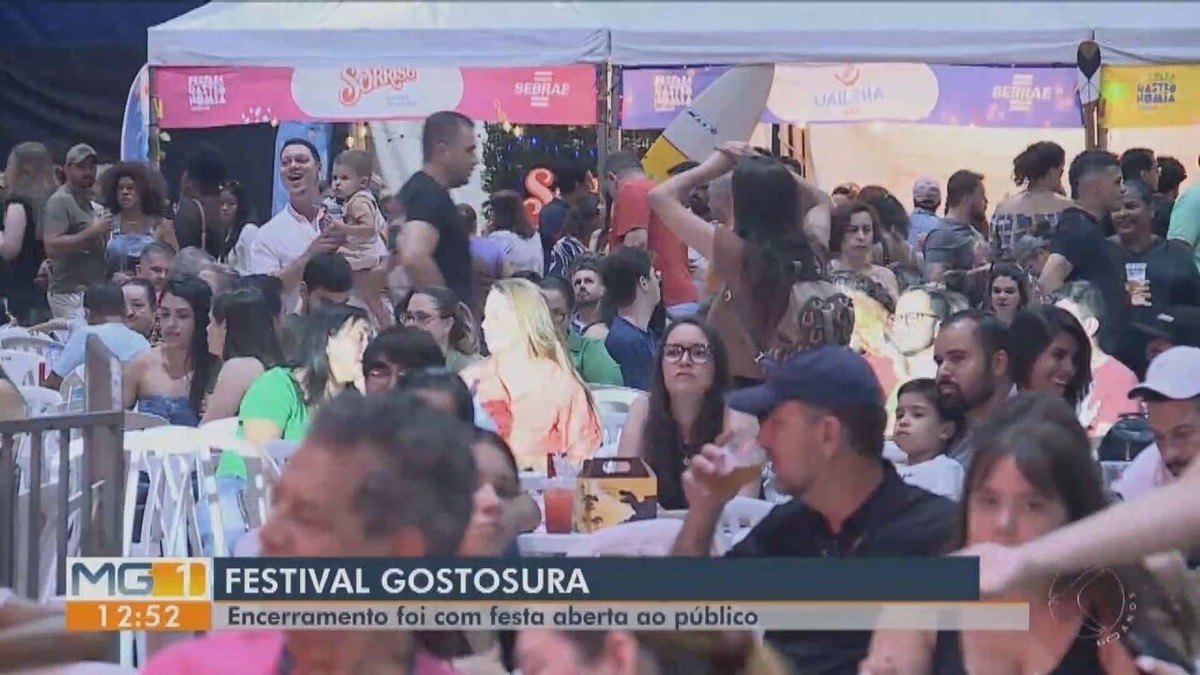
<point>539,403</point>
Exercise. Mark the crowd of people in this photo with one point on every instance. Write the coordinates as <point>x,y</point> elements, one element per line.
<point>922,379</point>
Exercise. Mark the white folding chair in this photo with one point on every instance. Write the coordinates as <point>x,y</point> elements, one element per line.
<point>23,368</point>
<point>43,346</point>
<point>39,401</point>
<point>614,399</point>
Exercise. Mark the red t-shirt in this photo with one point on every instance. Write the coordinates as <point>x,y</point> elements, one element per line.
<point>631,211</point>
<point>1111,383</point>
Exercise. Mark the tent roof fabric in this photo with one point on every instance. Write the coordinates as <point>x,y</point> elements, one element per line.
<point>302,34</point>
<point>315,34</point>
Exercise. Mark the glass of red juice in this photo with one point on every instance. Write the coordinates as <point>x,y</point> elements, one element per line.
<point>558,498</point>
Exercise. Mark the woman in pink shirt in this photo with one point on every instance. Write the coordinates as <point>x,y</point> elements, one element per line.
<point>540,404</point>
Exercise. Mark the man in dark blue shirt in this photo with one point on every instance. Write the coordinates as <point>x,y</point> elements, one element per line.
<point>633,287</point>
<point>571,181</point>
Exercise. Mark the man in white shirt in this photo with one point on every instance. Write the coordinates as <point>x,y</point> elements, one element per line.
<point>287,241</point>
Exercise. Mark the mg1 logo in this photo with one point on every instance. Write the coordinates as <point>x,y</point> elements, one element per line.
<point>141,578</point>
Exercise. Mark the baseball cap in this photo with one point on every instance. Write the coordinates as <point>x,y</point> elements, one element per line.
<point>824,377</point>
<point>926,191</point>
<point>80,152</point>
<point>1173,374</point>
<point>1180,325</point>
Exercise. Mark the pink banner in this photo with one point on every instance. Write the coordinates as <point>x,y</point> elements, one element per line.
<point>215,97</point>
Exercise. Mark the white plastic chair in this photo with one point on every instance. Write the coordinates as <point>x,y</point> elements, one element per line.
<point>23,368</point>
<point>39,401</point>
<point>279,452</point>
<point>13,331</point>
<point>43,346</point>
<point>227,426</point>
<point>73,390</point>
<point>614,399</point>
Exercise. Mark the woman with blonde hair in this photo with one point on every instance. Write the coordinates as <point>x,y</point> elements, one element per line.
<point>29,176</point>
<point>528,385</point>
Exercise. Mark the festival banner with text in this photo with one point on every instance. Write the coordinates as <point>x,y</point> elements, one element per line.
<point>982,96</point>
<point>1150,96</point>
<point>215,97</point>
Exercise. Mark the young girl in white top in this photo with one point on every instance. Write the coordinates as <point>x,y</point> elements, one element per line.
<point>365,227</point>
<point>924,432</point>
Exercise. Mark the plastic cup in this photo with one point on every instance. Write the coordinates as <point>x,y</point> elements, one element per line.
<point>558,499</point>
<point>743,461</point>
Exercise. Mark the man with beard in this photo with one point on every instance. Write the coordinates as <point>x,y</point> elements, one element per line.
<point>956,244</point>
<point>589,291</point>
<point>1078,251</point>
<point>75,235</point>
<point>287,242</point>
<point>434,249</point>
<point>971,352</point>
<point>1173,406</point>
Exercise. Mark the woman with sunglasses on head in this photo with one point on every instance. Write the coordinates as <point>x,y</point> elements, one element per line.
<point>684,409</point>
<point>237,222</point>
<point>439,312</point>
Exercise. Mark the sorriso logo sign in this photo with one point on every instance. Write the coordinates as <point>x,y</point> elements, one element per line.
<point>137,578</point>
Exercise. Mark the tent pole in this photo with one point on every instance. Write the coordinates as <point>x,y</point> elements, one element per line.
<point>605,116</point>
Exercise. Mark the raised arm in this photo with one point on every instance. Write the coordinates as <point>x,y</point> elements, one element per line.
<point>667,200</point>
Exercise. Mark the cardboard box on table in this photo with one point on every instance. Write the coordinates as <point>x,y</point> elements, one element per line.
<point>612,491</point>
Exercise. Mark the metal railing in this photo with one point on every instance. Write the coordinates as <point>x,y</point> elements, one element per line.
<point>101,481</point>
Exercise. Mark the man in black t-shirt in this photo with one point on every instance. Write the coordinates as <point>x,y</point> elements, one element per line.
<point>1078,251</point>
<point>433,249</point>
<point>822,424</point>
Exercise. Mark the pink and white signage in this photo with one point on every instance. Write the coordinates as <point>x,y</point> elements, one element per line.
<point>214,97</point>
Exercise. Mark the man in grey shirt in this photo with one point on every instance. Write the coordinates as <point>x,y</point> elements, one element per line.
<point>75,235</point>
<point>954,244</point>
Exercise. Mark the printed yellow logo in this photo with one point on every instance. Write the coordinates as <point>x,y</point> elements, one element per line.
<point>94,578</point>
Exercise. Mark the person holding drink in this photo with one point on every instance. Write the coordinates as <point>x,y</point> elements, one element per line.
<point>822,421</point>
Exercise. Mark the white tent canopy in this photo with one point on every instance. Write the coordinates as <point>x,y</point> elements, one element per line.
<point>315,34</point>
<point>1019,33</point>
<point>301,34</point>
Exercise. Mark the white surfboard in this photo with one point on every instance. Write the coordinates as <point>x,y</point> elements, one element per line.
<point>726,111</point>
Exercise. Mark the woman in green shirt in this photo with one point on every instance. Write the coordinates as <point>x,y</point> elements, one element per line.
<point>589,356</point>
<point>279,402</point>
<point>439,312</point>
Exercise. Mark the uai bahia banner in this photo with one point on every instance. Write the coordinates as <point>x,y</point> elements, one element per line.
<point>1150,96</point>
<point>981,96</point>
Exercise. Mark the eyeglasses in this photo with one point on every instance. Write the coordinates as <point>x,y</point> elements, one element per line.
<point>418,317</point>
<point>699,354</point>
<point>911,318</point>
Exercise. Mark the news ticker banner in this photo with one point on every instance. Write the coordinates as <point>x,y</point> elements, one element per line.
<point>1150,96</point>
<point>193,594</point>
<point>229,96</point>
<point>983,96</point>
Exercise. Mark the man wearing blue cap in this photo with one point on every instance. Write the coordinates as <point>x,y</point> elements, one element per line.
<point>822,423</point>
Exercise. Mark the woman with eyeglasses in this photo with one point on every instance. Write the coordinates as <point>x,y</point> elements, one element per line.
<point>684,409</point>
<point>237,222</point>
<point>439,312</point>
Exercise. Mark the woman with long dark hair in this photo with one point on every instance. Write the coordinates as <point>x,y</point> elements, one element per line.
<point>279,403</point>
<point>779,233</point>
<point>1033,473</point>
<point>29,176</point>
<point>241,332</point>
<point>1008,291</point>
<point>511,228</point>
<point>238,222</point>
<point>583,218</point>
<point>172,380</point>
<point>134,193</point>
<point>1052,353</point>
<point>684,409</point>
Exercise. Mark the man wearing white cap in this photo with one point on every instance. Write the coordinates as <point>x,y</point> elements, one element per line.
<point>1172,396</point>
<point>75,235</point>
<point>1162,519</point>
